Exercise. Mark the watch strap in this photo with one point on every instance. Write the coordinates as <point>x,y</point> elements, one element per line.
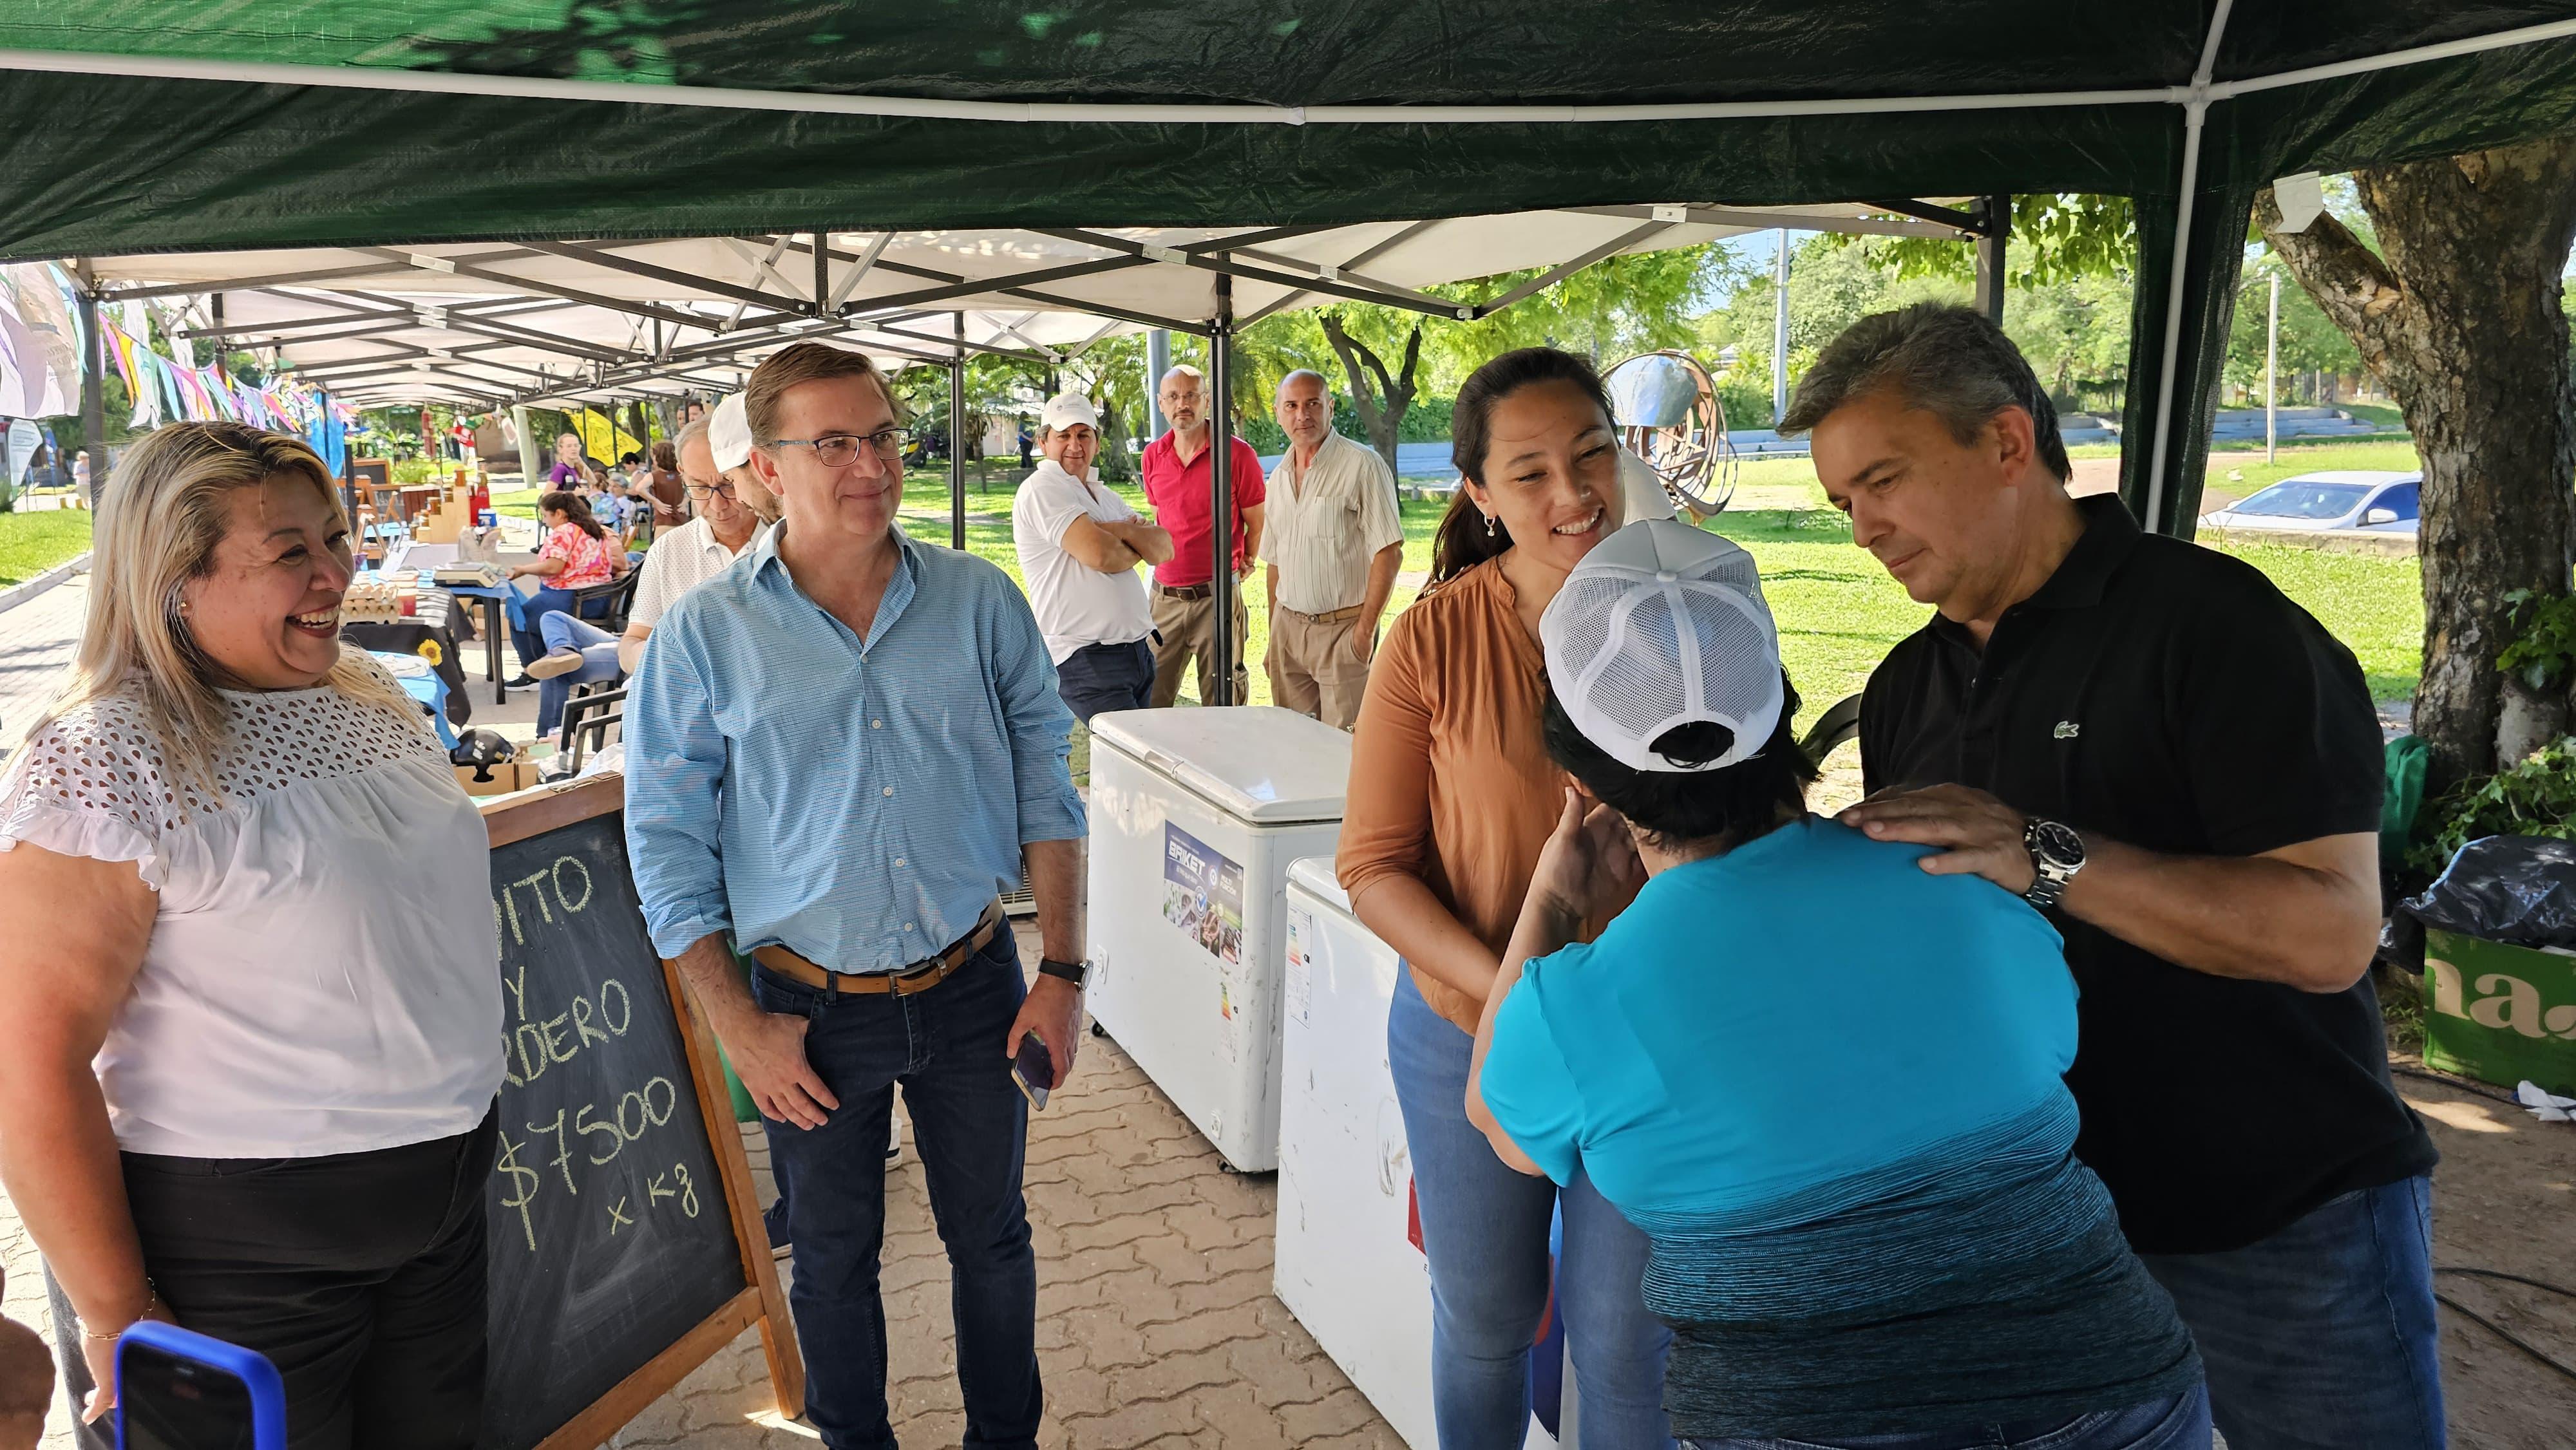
<point>1073,972</point>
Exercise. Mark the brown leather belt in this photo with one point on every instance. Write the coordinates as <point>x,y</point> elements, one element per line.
<point>1186,591</point>
<point>921,976</point>
<point>1335,617</point>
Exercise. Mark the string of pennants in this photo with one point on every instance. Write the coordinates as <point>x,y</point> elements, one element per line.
<point>165,390</point>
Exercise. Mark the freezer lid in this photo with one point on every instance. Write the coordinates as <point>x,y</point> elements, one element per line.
<point>1258,763</point>
<point>1315,873</point>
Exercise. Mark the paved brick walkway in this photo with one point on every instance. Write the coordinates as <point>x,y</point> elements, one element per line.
<point>36,640</point>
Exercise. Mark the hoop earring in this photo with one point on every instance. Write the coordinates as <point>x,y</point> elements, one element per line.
<point>1489,526</point>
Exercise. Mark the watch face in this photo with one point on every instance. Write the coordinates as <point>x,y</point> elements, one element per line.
<point>2058,843</point>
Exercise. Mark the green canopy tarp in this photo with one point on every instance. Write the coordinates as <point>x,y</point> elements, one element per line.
<point>147,124</point>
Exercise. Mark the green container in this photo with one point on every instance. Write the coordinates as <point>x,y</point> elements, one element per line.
<point>744,1109</point>
<point>2501,1014</point>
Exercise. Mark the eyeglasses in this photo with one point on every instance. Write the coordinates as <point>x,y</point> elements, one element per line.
<point>840,450</point>
<point>703,494</point>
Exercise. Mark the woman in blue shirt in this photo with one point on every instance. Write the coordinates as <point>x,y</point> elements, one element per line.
<point>1824,1082</point>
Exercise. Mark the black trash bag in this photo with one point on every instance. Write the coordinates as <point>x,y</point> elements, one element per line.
<point>2520,890</point>
<point>482,749</point>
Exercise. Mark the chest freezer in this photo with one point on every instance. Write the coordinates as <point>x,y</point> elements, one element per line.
<point>1346,1264</point>
<point>1195,817</point>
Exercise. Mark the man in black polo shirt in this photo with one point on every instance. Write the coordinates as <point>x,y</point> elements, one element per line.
<point>2149,742</point>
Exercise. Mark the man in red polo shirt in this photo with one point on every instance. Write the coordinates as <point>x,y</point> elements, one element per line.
<point>1176,470</point>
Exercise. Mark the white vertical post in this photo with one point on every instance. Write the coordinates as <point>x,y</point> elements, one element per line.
<point>2271,373</point>
<point>1780,333</point>
<point>1158,360</point>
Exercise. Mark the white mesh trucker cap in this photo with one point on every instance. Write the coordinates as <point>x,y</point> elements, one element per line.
<point>1663,624</point>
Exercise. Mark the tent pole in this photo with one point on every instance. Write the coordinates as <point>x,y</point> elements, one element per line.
<point>1990,258</point>
<point>2195,115</point>
<point>1780,331</point>
<point>1221,496</point>
<point>1158,361</point>
<point>2271,373</point>
<point>957,438</point>
<point>93,383</point>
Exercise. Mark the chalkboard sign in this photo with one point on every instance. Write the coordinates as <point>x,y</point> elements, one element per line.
<point>371,473</point>
<point>622,1230</point>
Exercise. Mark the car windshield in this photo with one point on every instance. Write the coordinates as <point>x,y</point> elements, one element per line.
<point>2301,499</point>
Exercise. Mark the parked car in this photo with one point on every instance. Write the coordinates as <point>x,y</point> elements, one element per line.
<point>2349,501</point>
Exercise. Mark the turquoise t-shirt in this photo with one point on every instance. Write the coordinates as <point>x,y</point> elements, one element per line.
<point>1827,1085</point>
<point>1761,1025</point>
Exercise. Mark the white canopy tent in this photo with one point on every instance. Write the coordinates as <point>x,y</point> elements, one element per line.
<point>493,325</point>
<point>574,322</point>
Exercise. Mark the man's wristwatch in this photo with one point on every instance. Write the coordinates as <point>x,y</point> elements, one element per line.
<point>1072,972</point>
<point>2056,854</point>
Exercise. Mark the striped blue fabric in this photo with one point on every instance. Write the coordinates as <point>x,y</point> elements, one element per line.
<point>857,801</point>
<point>1983,1281</point>
<point>1828,1086</point>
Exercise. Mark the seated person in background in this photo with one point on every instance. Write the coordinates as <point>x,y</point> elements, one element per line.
<point>578,553</point>
<point>1824,1082</point>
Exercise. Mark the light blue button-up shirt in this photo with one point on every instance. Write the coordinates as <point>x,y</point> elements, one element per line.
<point>857,801</point>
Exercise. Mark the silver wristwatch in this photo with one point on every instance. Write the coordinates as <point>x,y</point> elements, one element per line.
<point>2056,854</point>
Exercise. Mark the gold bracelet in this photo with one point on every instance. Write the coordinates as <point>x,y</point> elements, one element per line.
<point>152,1298</point>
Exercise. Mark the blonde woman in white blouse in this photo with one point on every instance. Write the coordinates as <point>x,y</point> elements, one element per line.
<point>251,979</point>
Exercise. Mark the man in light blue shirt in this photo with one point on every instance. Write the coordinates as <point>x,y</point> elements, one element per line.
<point>841,751</point>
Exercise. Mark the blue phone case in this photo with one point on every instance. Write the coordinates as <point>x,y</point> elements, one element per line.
<point>267,1391</point>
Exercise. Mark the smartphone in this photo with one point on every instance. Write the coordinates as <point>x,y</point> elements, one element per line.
<point>1034,1070</point>
<point>180,1390</point>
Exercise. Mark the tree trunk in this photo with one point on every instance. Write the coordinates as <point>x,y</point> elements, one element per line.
<point>2459,316</point>
<point>1381,398</point>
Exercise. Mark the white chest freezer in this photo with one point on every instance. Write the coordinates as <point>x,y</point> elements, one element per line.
<point>1195,817</point>
<point>1346,1264</point>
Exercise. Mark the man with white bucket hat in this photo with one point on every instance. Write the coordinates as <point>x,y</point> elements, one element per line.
<point>1079,546</point>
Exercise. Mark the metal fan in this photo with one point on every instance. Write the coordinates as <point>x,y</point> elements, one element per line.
<point>1667,411</point>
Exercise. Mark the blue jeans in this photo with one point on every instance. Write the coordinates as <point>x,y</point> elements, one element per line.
<point>971,1125</point>
<point>2180,1422</point>
<point>528,638</point>
<point>2321,1337</point>
<point>1100,677</point>
<point>1484,1229</point>
<point>598,650</point>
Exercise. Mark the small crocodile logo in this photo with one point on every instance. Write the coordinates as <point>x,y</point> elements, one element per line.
<point>2068,729</point>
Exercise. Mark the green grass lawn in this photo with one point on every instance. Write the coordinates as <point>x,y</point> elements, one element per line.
<point>1838,611</point>
<point>32,543</point>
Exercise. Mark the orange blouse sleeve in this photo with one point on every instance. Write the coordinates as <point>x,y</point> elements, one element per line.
<point>1386,812</point>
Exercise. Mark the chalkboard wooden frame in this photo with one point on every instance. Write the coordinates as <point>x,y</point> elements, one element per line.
<point>511,819</point>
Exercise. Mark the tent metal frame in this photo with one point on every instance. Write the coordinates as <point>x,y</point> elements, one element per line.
<point>766,316</point>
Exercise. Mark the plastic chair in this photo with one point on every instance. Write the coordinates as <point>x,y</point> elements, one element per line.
<point>587,715</point>
<point>619,594</point>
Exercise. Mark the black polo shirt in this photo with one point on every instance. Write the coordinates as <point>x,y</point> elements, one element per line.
<point>2170,698</point>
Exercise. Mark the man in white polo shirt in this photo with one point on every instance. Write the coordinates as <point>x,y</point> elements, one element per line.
<point>1079,546</point>
<point>1335,543</point>
<point>703,547</point>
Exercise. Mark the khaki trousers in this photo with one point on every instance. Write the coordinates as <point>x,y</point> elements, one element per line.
<point>1186,630</point>
<point>1312,669</point>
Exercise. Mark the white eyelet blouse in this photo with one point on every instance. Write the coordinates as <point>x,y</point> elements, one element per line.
<point>323,975</point>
